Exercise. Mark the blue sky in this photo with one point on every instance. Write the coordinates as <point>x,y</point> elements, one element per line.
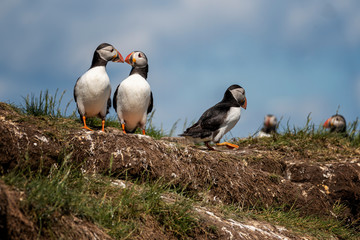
<point>292,57</point>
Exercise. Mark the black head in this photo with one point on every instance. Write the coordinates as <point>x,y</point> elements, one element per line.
<point>106,52</point>
<point>139,63</point>
<point>137,59</point>
<point>237,93</point>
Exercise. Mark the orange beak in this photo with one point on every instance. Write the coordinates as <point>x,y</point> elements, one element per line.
<point>128,58</point>
<point>327,123</point>
<point>244,106</point>
<point>118,57</point>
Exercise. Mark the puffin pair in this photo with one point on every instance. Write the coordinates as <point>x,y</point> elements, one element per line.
<point>270,126</point>
<point>336,123</point>
<point>133,98</point>
<point>215,122</point>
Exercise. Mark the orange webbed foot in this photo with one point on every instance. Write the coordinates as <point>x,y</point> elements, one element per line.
<point>85,127</point>
<point>228,145</point>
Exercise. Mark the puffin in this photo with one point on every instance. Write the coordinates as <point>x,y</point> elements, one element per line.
<point>133,98</point>
<point>270,126</point>
<point>216,121</point>
<point>336,123</point>
<point>92,90</point>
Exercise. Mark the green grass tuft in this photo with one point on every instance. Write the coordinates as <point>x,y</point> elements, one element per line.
<point>315,226</point>
<point>44,105</point>
<point>66,190</point>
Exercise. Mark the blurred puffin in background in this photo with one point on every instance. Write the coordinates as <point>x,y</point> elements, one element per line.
<point>215,122</point>
<point>133,98</point>
<point>270,126</point>
<point>92,90</point>
<point>336,123</point>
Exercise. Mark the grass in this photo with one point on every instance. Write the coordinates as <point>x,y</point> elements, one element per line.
<point>65,190</point>
<point>44,105</point>
<point>310,225</point>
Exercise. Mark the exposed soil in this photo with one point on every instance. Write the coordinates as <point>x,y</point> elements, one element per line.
<point>252,175</point>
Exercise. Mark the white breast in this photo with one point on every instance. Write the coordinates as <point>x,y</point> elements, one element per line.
<point>230,121</point>
<point>133,99</point>
<point>93,91</point>
<point>263,134</point>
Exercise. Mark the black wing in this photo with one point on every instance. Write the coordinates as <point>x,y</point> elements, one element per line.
<point>115,98</point>
<point>214,116</point>
<point>209,121</point>
<point>108,105</point>
<point>151,103</point>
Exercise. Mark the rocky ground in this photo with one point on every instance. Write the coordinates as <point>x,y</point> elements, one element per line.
<point>310,180</point>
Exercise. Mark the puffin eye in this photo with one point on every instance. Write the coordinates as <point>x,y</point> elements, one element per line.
<point>140,55</point>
